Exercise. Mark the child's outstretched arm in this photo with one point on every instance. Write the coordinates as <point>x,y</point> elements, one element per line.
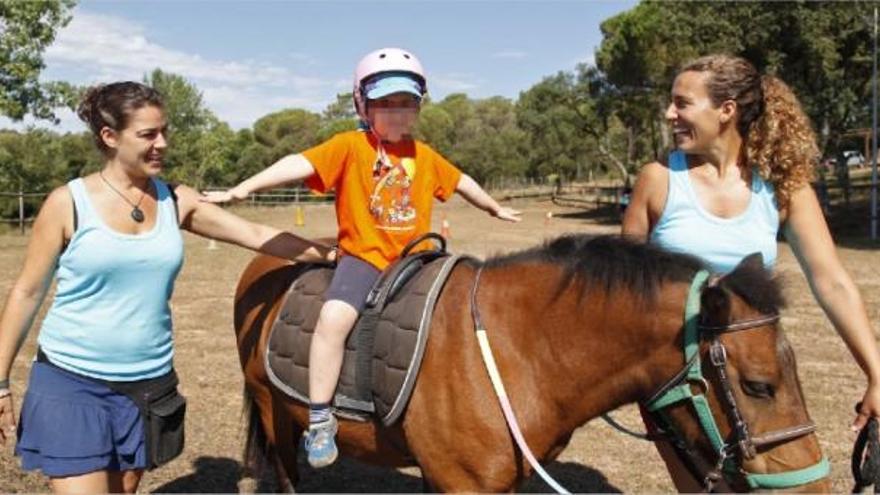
<point>475,195</point>
<point>290,168</point>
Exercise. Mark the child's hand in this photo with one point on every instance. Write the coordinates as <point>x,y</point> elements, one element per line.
<point>507,214</point>
<point>231,195</point>
<point>332,255</point>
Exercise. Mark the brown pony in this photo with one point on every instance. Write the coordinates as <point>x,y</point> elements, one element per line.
<point>579,327</point>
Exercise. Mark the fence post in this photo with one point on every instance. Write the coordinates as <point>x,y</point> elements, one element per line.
<point>21,211</point>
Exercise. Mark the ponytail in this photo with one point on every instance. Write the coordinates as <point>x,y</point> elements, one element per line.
<point>781,143</point>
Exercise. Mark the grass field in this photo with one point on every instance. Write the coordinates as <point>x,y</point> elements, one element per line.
<point>598,458</point>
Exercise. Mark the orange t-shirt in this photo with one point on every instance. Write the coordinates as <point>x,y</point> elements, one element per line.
<point>380,208</point>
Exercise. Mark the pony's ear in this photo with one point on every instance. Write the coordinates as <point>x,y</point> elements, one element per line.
<point>715,307</point>
<point>753,262</point>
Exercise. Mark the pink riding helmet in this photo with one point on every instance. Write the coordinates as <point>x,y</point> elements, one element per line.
<point>385,60</point>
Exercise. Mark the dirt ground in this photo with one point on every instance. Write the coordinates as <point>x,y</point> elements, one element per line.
<point>599,459</point>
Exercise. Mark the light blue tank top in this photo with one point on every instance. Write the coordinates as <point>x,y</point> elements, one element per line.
<point>686,227</point>
<point>110,318</point>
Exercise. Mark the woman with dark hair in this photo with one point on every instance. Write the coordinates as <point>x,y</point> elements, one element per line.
<point>741,173</point>
<point>102,404</point>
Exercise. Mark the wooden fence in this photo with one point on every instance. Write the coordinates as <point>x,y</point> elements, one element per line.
<point>19,197</point>
<point>832,195</point>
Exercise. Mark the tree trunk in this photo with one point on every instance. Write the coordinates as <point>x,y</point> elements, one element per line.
<point>661,124</point>
<point>824,135</point>
<point>655,143</point>
<point>621,167</point>
<point>630,145</point>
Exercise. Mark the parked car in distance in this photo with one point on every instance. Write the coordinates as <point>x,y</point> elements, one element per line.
<point>853,158</point>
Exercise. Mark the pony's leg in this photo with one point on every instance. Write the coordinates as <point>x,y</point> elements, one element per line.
<point>276,462</point>
<point>287,439</point>
<point>284,483</point>
<point>427,486</point>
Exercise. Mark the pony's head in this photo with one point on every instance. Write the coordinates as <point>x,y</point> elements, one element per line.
<point>737,411</point>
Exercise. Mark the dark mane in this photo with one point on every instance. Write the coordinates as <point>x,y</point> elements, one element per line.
<point>755,285</point>
<point>614,262</point>
<point>608,262</point>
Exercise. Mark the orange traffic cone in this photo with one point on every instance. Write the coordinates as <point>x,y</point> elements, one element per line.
<point>299,217</point>
<point>444,228</point>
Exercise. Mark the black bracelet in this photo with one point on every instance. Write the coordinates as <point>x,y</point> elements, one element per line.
<point>4,383</point>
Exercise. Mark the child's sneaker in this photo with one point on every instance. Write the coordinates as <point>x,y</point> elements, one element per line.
<point>321,443</point>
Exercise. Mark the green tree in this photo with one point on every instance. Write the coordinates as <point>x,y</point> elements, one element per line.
<point>26,29</point>
<point>254,157</point>
<point>489,143</point>
<point>572,127</point>
<point>821,49</point>
<point>341,109</point>
<point>287,131</point>
<point>39,160</point>
<point>829,65</point>
<point>184,107</point>
<point>339,116</point>
<point>555,140</point>
<point>436,128</point>
<point>217,150</point>
<point>78,153</point>
<point>188,120</point>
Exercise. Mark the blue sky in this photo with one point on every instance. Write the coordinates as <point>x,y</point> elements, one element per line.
<point>250,58</point>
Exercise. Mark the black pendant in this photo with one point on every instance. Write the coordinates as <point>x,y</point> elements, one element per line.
<point>137,215</point>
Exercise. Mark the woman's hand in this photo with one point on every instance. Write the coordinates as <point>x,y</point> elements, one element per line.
<point>7,417</point>
<point>869,407</point>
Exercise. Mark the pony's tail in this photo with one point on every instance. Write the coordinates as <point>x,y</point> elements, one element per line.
<point>255,456</point>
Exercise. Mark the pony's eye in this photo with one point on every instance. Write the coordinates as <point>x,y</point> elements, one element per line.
<point>758,389</point>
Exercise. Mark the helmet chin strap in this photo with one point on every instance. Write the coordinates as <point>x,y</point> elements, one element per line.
<point>381,156</point>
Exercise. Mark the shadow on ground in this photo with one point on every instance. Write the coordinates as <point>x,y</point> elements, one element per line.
<point>212,475</point>
<point>603,215</point>
<point>223,475</point>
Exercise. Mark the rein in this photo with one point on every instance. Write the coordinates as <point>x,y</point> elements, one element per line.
<point>865,461</point>
<point>498,385</point>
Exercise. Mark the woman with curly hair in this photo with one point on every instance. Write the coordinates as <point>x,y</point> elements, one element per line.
<point>741,172</point>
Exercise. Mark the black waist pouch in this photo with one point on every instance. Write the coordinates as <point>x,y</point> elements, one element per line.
<point>162,409</point>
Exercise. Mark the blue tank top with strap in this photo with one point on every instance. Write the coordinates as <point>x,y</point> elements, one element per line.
<point>685,226</point>
<point>110,318</point>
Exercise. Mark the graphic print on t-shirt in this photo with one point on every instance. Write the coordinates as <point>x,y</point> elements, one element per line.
<point>390,203</point>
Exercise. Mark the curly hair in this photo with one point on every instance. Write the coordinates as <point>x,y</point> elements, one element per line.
<point>779,141</point>
<point>111,105</point>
